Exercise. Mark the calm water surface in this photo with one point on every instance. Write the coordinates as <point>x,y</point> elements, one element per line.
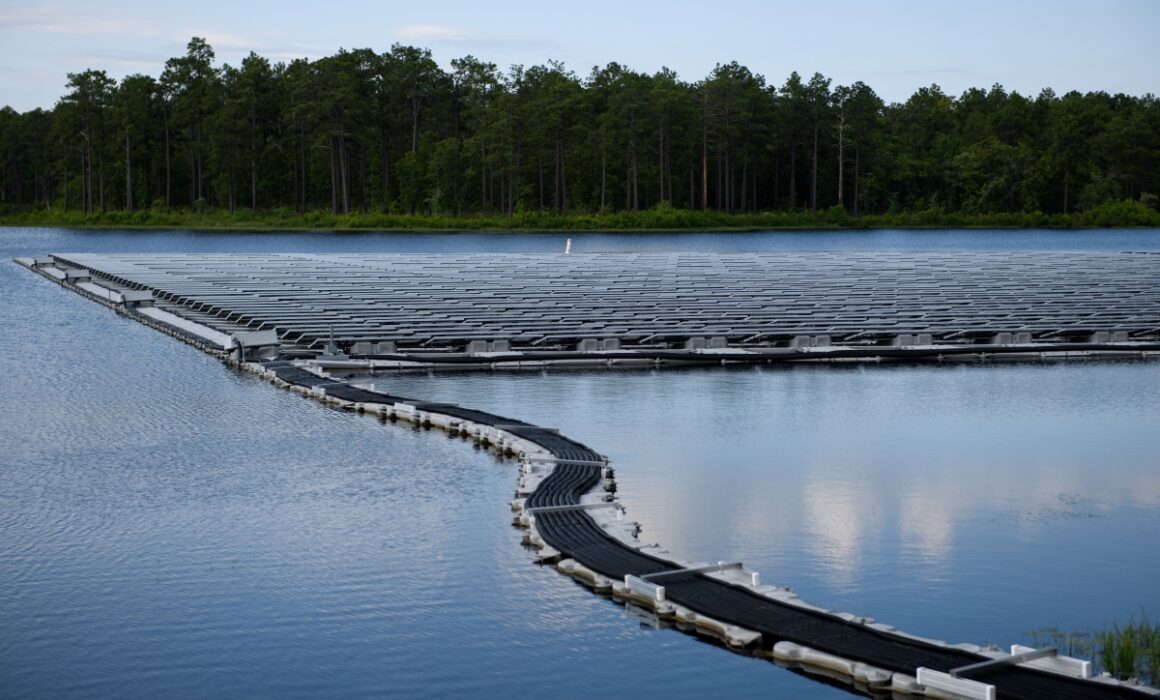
<point>169,527</point>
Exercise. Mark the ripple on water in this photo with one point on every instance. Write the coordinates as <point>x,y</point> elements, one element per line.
<point>171,528</point>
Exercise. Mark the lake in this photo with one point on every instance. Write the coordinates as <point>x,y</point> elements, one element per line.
<point>169,527</point>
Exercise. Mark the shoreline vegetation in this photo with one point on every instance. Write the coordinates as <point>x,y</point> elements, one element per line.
<point>1128,651</point>
<point>1117,214</point>
<point>393,140</point>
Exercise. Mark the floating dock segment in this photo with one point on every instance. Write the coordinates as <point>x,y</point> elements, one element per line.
<point>562,480</point>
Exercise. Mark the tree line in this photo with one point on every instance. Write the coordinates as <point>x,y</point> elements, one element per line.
<point>360,131</point>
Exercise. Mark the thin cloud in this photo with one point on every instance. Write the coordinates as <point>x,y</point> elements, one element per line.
<point>446,34</point>
<point>919,71</point>
<point>436,32</point>
<point>230,47</point>
<point>115,61</point>
<point>226,41</point>
<point>55,19</point>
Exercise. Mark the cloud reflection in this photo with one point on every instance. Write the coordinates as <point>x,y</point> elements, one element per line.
<point>839,517</point>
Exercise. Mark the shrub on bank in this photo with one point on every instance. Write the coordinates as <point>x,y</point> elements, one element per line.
<point>661,218</point>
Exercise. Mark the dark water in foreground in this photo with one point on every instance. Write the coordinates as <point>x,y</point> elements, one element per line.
<point>171,528</point>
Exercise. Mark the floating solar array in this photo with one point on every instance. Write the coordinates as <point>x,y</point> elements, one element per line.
<point>377,303</point>
<point>453,302</point>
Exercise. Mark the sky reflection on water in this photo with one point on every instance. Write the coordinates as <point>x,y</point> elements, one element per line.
<point>171,528</point>
<point>861,492</point>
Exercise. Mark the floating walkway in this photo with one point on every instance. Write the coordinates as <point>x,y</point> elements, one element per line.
<point>564,497</point>
<point>561,509</point>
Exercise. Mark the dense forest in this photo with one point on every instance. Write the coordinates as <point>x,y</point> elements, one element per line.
<point>361,133</point>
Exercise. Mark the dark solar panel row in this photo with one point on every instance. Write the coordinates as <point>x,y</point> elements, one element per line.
<point>446,300</point>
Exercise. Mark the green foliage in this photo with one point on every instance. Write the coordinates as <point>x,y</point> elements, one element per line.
<point>391,139</point>
<point>1118,651</point>
<point>662,217</point>
<point>1127,652</point>
<point>837,215</point>
<point>1125,212</point>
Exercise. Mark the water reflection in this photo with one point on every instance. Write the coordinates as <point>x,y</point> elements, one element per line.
<point>170,528</point>
<point>839,517</point>
<point>927,522</point>
<point>847,485</point>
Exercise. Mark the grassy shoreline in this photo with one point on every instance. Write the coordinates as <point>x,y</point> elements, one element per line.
<point>1120,214</point>
<point>1127,651</point>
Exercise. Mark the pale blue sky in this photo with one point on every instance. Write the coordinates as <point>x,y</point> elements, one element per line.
<point>895,46</point>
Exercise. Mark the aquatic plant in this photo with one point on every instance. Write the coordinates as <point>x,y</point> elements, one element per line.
<point>1129,651</point>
